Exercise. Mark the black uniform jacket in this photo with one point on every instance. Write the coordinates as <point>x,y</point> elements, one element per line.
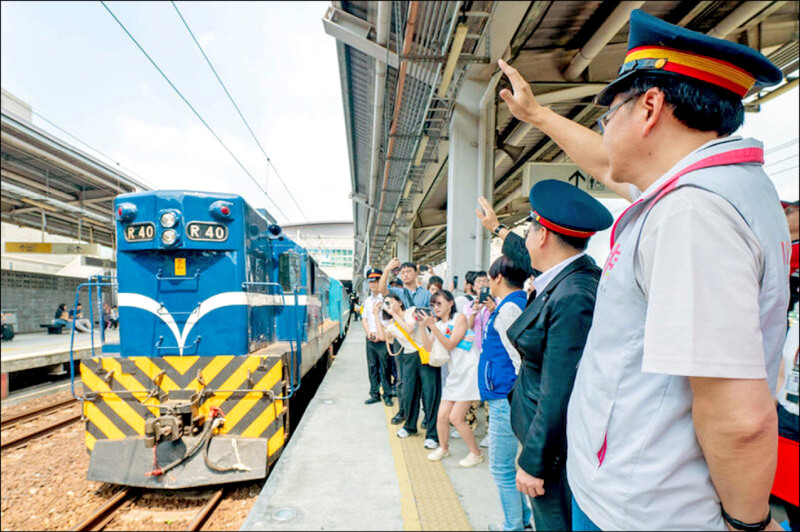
<point>550,335</point>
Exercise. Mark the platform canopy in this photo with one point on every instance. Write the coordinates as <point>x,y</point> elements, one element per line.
<point>403,66</point>
<point>50,185</point>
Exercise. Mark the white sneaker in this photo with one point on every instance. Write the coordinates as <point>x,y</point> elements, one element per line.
<point>430,443</point>
<point>403,433</point>
<point>471,460</point>
<point>454,434</point>
<point>438,454</point>
<point>484,442</point>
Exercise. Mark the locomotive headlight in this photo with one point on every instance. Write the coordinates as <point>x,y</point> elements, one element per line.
<point>168,219</point>
<point>169,237</point>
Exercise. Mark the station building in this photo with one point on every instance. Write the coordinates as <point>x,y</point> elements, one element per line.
<point>330,243</point>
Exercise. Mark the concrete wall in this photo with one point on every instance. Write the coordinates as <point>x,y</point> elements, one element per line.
<point>35,296</point>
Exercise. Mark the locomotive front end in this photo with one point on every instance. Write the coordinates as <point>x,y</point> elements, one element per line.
<point>190,402</point>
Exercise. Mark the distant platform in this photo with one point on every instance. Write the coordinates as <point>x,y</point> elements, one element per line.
<point>38,350</point>
<point>345,469</point>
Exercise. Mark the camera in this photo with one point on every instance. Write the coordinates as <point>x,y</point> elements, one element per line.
<point>387,304</point>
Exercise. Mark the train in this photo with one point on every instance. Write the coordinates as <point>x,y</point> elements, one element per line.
<point>221,318</point>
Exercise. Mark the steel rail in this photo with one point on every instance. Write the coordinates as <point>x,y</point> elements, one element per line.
<point>101,517</point>
<point>15,418</point>
<point>207,510</point>
<point>24,438</point>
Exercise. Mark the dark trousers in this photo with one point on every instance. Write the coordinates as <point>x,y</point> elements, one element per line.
<point>393,367</point>
<point>788,425</point>
<point>553,510</point>
<point>378,368</point>
<point>418,381</point>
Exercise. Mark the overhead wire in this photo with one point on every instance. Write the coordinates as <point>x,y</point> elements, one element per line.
<point>197,114</point>
<point>260,147</point>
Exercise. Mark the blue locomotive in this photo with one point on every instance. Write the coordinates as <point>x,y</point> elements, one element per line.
<point>221,316</point>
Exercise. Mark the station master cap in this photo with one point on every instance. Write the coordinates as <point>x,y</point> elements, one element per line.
<point>658,47</point>
<point>567,210</point>
<point>373,274</point>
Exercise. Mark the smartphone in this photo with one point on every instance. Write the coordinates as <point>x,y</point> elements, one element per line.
<point>423,268</point>
<point>484,294</point>
<point>396,272</point>
<point>455,282</point>
<point>425,310</point>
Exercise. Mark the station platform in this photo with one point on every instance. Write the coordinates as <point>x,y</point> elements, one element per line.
<point>345,469</point>
<point>37,350</point>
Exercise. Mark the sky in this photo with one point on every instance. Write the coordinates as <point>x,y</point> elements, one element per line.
<point>76,67</point>
<point>73,63</point>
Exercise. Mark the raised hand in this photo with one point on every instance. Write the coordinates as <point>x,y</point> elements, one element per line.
<point>394,263</point>
<point>487,215</point>
<point>521,102</point>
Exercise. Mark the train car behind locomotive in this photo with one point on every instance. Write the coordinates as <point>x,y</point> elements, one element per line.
<point>221,316</point>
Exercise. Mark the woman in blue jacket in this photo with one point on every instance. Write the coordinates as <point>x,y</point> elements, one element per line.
<point>497,371</point>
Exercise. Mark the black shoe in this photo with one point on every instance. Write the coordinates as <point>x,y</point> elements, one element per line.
<point>372,400</point>
<point>386,400</point>
<point>396,420</point>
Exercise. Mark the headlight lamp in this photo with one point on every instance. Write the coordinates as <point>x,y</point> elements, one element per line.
<point>168,219</point>
<point>169,237</point>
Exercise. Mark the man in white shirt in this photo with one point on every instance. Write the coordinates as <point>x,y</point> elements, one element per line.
<point>671,422</point>
<point>377,356</point>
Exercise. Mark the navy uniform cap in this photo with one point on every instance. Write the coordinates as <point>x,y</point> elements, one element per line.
<point>658,47</point>
<point>373,274</point>
<point>568,210</point>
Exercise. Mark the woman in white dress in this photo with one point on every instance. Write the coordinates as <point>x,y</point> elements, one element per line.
<point>450,329</point>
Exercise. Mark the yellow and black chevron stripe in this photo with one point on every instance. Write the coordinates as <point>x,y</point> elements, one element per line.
<point>126,391</point>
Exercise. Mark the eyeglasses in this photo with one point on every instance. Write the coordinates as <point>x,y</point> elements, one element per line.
<point>605,118</point>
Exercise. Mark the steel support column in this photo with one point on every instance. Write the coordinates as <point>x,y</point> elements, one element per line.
<point>462,180</point>
<point>405,242</point>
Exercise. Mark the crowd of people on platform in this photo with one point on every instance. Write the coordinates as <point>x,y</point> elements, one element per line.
<point>646,394</point>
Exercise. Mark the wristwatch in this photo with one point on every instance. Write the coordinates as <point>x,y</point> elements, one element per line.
<point>747,527</point>
<point>496,231</point>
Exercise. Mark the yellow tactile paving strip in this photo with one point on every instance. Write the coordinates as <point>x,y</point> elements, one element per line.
<point>427,498</point>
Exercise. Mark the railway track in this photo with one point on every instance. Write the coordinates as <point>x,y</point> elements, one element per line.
<point>108,511</point>
<point>18,417</point>
<point>22,417</point>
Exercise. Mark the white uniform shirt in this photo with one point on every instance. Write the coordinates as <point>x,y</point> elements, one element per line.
<point>689,284</point>
<point>368,305</point>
